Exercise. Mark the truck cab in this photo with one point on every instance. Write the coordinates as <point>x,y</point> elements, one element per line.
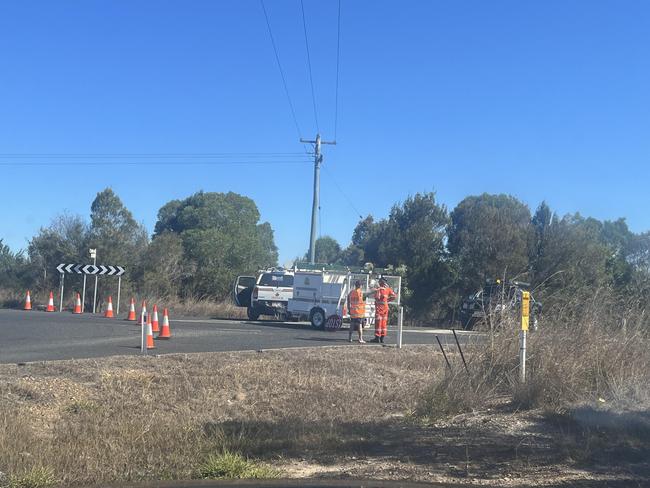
<point>265,294</point>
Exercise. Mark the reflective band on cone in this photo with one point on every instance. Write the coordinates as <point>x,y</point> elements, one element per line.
<point>77,304</point>
<point>155,325</point>
<point>131,315</point>
<point>109,309</point>
<point>50,304</point>
<point>28,302</point>
<point>165,332</point>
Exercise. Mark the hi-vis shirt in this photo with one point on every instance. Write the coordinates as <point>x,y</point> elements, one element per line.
<point>383,295</point>
<point>357,304</point>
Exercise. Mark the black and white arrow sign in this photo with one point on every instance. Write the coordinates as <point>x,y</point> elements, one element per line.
<point>90,269</point>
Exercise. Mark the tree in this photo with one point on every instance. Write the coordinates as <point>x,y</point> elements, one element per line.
<point>163,265</point>
<point>328,250</point>
<point>489,235</point>
<point>412,238</point>
<point>65,240</point>
<point>118,238</point>
<point>221,237</point>
<point>15,273</point>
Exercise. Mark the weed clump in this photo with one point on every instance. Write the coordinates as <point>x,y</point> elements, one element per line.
<point>231,465</point>
<point>37,477</point>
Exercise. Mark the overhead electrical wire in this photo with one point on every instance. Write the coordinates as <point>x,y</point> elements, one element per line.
<point>284,81</point>
<point>151,159</point>
<point>149,163</point>
<point>345,195</point>
<point>338,57</point>
<point>149,155</point>
<point>311,78</point>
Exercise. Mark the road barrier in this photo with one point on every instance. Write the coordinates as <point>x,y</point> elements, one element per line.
<point>155,325</point>
<point>165,333</point>
<point>109,308</point>
<point>150,344</point>
<point>77,304</point>
<point>132,317</point>
<point>50,304</point>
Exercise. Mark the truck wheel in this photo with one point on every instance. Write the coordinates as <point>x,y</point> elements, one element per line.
<point>252,313</point>
<point>317,318</point>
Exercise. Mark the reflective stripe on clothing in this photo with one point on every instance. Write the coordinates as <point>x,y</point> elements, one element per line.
<point>357,305</point>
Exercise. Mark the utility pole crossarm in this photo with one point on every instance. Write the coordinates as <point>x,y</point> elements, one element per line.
<point>305,141</point>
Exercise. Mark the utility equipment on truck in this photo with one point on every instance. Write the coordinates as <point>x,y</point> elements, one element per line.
<point>320,295</point>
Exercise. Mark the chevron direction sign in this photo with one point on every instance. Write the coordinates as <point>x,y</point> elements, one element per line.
<point>90,269</point>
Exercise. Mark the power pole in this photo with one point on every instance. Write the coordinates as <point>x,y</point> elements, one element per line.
<point>318,160</point>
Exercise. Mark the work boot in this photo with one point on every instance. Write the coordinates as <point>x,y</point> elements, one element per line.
<point>381,339</point>
<point>376,339</point>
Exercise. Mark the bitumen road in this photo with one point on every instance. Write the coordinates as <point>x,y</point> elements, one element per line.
<point>27,336</point>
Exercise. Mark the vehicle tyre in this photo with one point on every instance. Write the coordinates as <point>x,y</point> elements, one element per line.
<point>317,318</point>
<point>252,313</point>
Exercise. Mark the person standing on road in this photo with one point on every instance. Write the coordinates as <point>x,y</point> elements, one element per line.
<point>383,295</point>
<point>357,308</point>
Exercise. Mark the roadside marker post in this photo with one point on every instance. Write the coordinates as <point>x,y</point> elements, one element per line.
<point>143,335</point>
<point>525,319</point>
<point>400,324</point>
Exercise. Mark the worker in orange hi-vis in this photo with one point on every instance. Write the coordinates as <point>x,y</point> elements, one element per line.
<point>383,295</point>
<point>357,308</point>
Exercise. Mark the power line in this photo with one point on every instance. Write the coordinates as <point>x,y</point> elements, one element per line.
<point>277,59</point>
<point>338,56</point>
<point>345,195</point>
<point>311,79</point>
<point>150,155</point>
<point>149,163</point>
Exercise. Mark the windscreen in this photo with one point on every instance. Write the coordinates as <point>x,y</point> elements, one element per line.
<point>273,279</point>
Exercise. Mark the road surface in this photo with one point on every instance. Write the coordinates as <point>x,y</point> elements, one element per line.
<point>39,336</point>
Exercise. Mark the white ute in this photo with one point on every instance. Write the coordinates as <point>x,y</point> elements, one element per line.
<point>266,294</point>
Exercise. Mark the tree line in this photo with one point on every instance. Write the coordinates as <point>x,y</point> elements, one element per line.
<point>200,244</point>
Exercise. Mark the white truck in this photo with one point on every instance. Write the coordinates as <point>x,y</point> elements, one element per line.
<point>317,293</point>
<point>321,295</point>
<point>265,294</point>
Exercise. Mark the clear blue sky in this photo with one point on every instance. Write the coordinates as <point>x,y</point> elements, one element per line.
<point>543,100</point>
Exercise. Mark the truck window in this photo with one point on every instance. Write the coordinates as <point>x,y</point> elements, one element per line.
<point>270,279</point>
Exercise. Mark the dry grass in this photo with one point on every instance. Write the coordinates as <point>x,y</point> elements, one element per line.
<point>354,411</point>
<point>128,419</point>
<point>595,351</point>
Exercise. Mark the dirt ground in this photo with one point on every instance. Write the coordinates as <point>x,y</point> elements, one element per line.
<point>352,412</point>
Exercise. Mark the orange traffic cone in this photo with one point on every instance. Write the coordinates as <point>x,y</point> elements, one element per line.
<point>77,304</point>
<point>132,316</point>
<point>143,314</point>
<point>155,326</point>
<point>165,333</point>
<point>50,304</point>
<point>150,344</point>
<point>109,309</point>
<point>28,302</point>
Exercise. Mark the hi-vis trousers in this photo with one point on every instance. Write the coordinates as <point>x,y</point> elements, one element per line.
<point>381,325</point>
